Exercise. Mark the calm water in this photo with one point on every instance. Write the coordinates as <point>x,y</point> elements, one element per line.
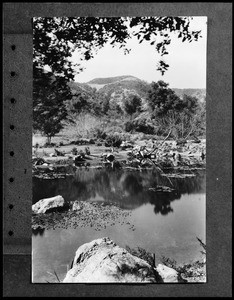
<point>166,224</point>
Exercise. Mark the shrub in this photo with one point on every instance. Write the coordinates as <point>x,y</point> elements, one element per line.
<point>143,254</point>
<point>99,133</point>
<point>49,145</point>
<point>140,125</point>
<point>74,151</point>
<point>129,126</point>
<point>113,140</point>
<point>143,125</point>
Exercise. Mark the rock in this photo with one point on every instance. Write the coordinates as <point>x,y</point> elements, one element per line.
<point>57,159</point>
<point>39,161</point>
<point>108,157</point>
<point>58,153</point>
<point>162,189</point>
<point>43,168</point>
<point>126,145</point>
<point>79,159</point>
<point>87,150</point>
<point>76,205</point>
<point>103,261</point>
<point>49,204</point>
<point>167,274</point>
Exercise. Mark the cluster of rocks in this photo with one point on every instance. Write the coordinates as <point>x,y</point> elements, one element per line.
<point>169,155</point>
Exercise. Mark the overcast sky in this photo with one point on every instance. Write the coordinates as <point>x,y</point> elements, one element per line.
<point>187,61</point>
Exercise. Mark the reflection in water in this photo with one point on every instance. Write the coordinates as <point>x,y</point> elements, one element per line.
<point>128,189</point>
<point>131,184</point>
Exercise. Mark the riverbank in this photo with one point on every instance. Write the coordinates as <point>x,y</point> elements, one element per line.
<point>63,159</point>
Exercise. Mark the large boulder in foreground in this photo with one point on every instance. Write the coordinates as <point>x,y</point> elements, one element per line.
<point>46,205</point>
<point>167,274</point>
<point>103,261</point>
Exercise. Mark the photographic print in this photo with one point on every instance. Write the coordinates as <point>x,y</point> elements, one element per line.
<point>119,149</point>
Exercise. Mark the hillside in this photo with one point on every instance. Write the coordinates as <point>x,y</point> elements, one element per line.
<point>200,94</point>
<point>112,86</point>
<point>118,88</point>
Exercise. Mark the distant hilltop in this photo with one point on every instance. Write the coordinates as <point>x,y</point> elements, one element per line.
<point>99,83</point>
<point>109,80</point>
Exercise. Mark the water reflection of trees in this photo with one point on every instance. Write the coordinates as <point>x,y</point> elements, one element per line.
<point>128,189</point>
<point>191,185</point>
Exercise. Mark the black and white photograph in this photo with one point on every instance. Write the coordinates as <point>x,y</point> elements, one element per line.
<point>119,149</point>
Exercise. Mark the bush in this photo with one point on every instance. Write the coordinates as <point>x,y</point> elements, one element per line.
<point>74,151</point>
<point>129,126</point>
<point>126,136</point>
<point>99,133</point>
<point>143,125</point>
<point>140,125</point>
<point>113,140</point>
<point>49,145</point>
<point>143,254</point>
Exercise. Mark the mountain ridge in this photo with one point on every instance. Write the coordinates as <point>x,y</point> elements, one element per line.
<point>109,80</point>
<point>118,87</point>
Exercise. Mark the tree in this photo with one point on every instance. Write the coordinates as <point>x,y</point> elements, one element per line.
<point>99,104</point>
<point>49,113</point>
<point>189,104</point>
<point>115,110</point>
<point>132,104</point>
<point>81,102</point>
<point>185,121</point>
<point>55,39</point>
<point>181,116</point>
<point>105,104</point>
<point>161,99</point>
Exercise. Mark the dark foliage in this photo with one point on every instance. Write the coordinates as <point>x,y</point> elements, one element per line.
<point>113,140</point>
<point>49,109</point>
<point>132,104</point>
<point>143,254</point>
